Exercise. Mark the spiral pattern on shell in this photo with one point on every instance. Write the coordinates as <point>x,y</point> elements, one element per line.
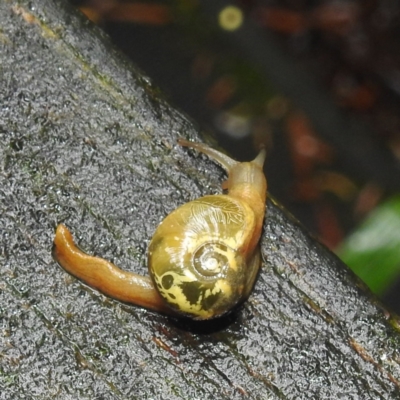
<point>196,256</point>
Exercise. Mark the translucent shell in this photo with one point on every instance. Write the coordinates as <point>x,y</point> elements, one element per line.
<point>197,256</point>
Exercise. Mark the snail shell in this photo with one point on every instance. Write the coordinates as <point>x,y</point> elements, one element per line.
<point>197,256</point>
<point>203,258</point>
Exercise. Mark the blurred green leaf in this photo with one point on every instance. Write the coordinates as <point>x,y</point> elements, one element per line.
<point>373,250</point>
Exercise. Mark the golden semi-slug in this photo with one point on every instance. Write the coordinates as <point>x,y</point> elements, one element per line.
<point>203,258</point>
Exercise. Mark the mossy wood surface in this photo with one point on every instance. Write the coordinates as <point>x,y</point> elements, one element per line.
<point>86,140</point>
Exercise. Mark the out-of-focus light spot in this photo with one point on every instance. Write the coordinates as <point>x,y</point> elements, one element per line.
<point>230,18</point>
<point>236,126</point>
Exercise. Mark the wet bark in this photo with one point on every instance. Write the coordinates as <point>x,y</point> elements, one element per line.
<point>85,139</point>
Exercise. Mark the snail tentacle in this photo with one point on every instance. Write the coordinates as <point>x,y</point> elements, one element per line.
<point>222,159</point>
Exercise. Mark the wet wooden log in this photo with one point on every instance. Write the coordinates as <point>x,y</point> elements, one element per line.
<point>85,139</point>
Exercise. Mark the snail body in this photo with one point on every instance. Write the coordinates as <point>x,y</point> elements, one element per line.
<point>203,258</point>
